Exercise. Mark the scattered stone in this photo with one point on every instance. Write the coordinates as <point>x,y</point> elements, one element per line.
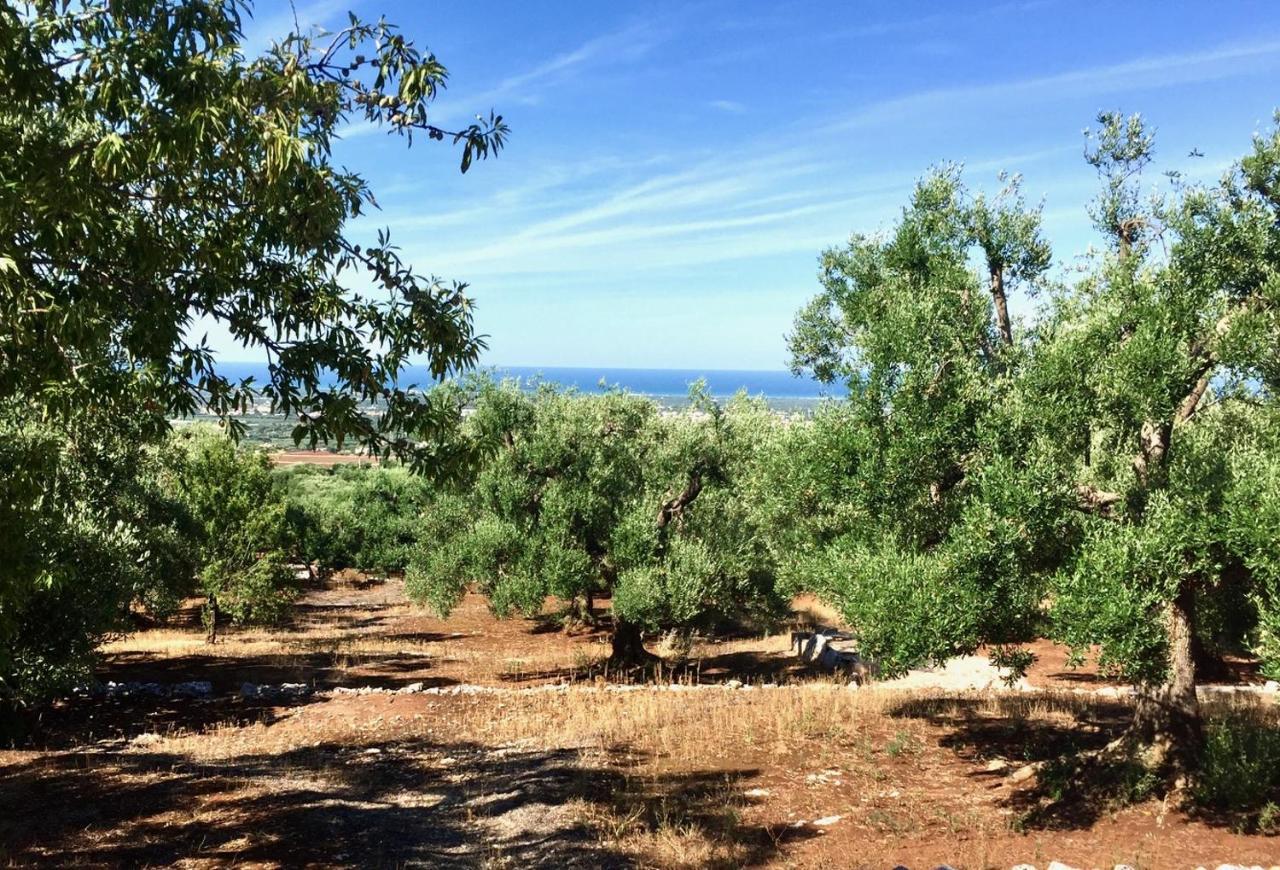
<point>734,684</point>
<point>830,775</point>
<point>1124,867</point>
<point>193,689</point>
<point>254,692</point>
<point>1023,867</point>
<point>996,765</point>
<point>756,792</point>
<point>1022,774</point>
<point>411,689</point>
<point>373,750</point>
<point>148,739</point>
<point>1271,686</point>
<point>827,820</point>
<point>1058,865</point>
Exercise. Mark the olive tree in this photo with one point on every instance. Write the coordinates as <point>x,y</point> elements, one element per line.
<point>87,527</point>
<point>360,517</point>
<point>1162,364</point>
<point>240,532</point>
<point>580,496</point>
<point>1113,460</point>
<point>922,502</point>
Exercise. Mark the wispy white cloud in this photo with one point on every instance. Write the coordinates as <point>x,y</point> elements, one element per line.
<point>792,189</point>
<point>732,107</point>
<point>760,198</point>
<point>627,45</point>
<point>756,202</point>
<point>1158,71</point>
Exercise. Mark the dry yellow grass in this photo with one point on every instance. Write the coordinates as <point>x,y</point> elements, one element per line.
<point>699,776</point>
<point>831,742</point>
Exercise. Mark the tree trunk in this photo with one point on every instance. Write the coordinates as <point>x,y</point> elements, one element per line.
<point>672,507</point>
<point>584,608</point>
<point>1167,717</point>
<point>211,618</point>
<point>1002,307</point>
<point>628,644</point>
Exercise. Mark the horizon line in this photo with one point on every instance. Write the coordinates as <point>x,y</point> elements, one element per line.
<point>624,368</point>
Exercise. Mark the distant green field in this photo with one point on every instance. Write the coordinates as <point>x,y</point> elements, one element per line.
<point>276,430</point>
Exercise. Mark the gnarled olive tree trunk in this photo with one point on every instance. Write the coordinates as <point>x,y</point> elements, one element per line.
<point>1167,727</point>
<point>628,644</point>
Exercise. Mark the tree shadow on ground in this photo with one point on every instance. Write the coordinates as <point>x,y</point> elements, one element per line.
<point>1075,785</point>
<point>388,803</point>
<point>745,666</point>
<point>112,722</point>
<point>83,719</point>
<point>321,669</point>
<point>1050,731</point>
<point>341,616</point>
<point>752,666</point>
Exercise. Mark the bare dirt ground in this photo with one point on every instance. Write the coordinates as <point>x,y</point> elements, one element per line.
<point>322,458</point>
<point>549,763</point>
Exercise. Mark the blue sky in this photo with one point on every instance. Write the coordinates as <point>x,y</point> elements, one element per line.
<point>675,169</point>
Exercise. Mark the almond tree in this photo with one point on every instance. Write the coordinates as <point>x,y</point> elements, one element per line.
<point>155,178</point>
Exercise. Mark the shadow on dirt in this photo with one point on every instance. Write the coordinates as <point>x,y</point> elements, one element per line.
<point>1075,786</point>
<point>371,804</point>
<point>320,669</point>
<point>1025,729</point>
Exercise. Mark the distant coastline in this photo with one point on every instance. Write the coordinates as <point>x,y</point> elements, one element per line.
<point>666,384</point>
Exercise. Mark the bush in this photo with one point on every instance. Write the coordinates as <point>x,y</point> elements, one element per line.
<point>1240,768</point>
<point>240,529</point>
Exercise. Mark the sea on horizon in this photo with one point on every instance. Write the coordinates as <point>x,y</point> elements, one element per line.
<point>666,383</point>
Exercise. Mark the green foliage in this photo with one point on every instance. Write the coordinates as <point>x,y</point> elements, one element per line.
<point>241,535</point>
<point>156,176</point>
<point>358,517</point>
<point>585,495</point>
